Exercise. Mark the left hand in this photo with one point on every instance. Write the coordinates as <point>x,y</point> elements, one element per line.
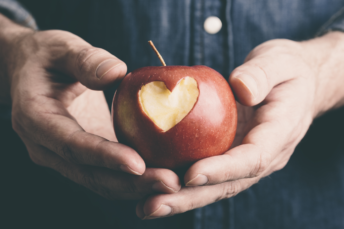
<point>284,85</point>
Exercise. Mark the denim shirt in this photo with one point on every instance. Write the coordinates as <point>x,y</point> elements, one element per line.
<point>308,192</point>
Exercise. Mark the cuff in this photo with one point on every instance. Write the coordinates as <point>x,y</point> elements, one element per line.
<point>13,10</point>
<point>336,23</point>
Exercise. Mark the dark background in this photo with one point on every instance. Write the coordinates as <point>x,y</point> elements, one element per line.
<point>33,196</point>
<point>36,197</point>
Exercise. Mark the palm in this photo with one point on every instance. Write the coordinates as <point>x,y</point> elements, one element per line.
<point>87,107</point>
<point>92,113</point>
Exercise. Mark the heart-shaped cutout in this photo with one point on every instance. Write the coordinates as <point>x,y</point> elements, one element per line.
<point>165,108</point>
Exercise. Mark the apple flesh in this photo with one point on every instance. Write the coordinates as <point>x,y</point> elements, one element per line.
<point>175,115</point>
<point>166,108</point>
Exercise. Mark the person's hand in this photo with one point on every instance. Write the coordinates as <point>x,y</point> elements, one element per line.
<point>283,86</point>
<point>66,126</point>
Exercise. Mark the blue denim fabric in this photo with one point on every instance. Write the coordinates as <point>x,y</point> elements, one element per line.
<point>334,24</point>
<point>12,9</point>
<point>308,192</point>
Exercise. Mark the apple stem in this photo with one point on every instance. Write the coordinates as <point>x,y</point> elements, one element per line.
<point>157,53</point>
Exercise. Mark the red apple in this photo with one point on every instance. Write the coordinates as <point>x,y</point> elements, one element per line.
<point>172,130</point>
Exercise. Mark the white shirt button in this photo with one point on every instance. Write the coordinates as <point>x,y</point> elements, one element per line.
<point>212,25</point>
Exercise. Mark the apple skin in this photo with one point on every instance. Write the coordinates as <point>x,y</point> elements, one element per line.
<point>208,130</point>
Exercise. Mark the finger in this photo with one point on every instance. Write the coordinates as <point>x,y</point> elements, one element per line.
<point>116,185</point>
<point>59,132</point>
<point>273,130</point>
<point>247,160</point>
<point>264,68</point>
<point>189,198</point>
<point>94,67</point>
<point>45,120</point>
<point>108,183</point>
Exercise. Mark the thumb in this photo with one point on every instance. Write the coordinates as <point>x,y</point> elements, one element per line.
<point>94,67</point>
<point>254,80</point>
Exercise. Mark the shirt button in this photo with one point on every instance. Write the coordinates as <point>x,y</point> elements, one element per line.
<point>212,25</point>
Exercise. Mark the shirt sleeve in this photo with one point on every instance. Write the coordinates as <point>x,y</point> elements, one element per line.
<point>15,11</point>
<point>336,23</point>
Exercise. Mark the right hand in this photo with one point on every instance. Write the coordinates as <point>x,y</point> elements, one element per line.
<point>66,126</point>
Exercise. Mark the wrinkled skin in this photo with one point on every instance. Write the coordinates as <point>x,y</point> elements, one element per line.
<point>66,126</point>
<point>282,86</point>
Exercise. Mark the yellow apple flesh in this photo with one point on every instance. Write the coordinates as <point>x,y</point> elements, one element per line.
<point>165,108</point>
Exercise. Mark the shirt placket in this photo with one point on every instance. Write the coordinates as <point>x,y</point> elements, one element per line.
<point>213,49</point>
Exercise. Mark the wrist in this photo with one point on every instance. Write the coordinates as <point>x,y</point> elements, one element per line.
<point>325,57</point>
<point>11,35</point>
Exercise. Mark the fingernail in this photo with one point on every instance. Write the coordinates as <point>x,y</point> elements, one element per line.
<point>198,181</point>
<point>161,187</point>
<point>249,83</point>
<point>127,169</point>
<point>162,211</point>
<point>105,66</point>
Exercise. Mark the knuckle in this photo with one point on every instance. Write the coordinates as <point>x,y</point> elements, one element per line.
<point>228,174</point>
<point>66,150</point>
<point>263,79</point>
<point>191,205</point>
<point>257,72</point>
<point>261,165</point>
<point>128,184</point>
<point>275,46</point>
<point>100,157</point>
<point>229,189</point>
<point>131,187</point>
<point>90,180</point>
<point>68,154</point>
<point>83,56</point>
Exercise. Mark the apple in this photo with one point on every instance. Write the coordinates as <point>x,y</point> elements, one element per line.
<point>175,115</point>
